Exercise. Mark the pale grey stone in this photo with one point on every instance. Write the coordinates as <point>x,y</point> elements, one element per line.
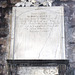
<point>38,71</point>
<point>22,4</point>
<point>39,33</point>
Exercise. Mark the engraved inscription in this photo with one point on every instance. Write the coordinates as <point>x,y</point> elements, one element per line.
<point>39,22</point>
<point>38,33</point>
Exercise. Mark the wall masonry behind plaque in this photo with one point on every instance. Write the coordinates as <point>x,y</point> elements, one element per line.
<point>37,33</point>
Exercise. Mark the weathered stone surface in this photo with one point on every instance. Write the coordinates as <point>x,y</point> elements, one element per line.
<point>3,4</point>
<point>14,1</point>
<point>38,71</point>
<point>40,31</point>
<point>3,32</point>
<point>63,0</point>
<point>69,29</point>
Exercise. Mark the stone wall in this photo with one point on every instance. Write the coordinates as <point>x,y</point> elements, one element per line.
<point>3,36</point>
<point>5,9</point>
<point>5,12</point>
<point>69,11</point>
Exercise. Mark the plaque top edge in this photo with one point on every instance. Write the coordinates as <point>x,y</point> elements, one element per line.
<point>41,7</point>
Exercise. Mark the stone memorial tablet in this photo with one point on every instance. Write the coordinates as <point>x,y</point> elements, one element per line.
<point>37,33</point>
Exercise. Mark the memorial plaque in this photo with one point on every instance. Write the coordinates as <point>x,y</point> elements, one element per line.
<point>37,33</point>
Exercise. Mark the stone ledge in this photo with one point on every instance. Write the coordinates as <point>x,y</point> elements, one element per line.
<point>38,62</point>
